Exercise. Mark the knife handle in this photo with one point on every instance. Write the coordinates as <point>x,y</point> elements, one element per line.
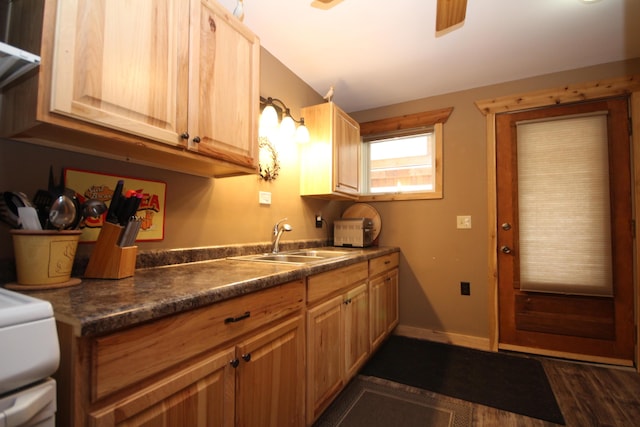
<point>114,206</point>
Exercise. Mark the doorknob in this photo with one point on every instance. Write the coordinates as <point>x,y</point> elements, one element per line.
<point>506,250</point>
<point>506,226</point>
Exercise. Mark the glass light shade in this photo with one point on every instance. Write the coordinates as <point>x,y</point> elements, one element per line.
<point>287,128</point>
<point>302,134</point>
<point>268,119</point>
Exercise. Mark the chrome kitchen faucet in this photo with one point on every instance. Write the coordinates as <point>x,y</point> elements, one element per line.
<point>277,234</point>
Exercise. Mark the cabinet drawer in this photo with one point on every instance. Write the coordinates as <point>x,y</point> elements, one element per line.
<point>322,285</point>
<point>383,263</point>
<point>124,358</point>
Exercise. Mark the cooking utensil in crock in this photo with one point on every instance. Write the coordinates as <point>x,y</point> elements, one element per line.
<point>92,208</point>
<point>29,218</point>
<point>9,204</point>
<point>42,201</point>
<point>63,212</point>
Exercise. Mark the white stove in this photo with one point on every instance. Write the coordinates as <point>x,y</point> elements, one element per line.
<point>29,354</point>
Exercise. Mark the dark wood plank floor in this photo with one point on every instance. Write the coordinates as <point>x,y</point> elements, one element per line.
<point>588,395</point>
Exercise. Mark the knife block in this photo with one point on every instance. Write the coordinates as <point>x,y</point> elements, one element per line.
<point>108,260</point>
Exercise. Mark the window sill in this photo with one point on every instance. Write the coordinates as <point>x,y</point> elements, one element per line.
<point>388,197</point>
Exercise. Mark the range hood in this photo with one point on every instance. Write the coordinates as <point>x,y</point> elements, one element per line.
<point>14,63</point>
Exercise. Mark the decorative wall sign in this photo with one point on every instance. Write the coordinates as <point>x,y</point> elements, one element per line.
<point>94,185</point>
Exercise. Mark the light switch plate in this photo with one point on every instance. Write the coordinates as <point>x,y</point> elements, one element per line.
<point>463,221</point>
<point>264,197</point>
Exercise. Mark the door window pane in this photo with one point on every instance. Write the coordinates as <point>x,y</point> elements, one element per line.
<point>564,209</point>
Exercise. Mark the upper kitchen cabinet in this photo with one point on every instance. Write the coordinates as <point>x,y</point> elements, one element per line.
<point>167,83</point>
<point>330,162</point>
<point>224,76</point>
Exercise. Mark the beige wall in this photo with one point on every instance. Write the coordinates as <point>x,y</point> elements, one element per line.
<point>199,211</point>
<point>435,255</point>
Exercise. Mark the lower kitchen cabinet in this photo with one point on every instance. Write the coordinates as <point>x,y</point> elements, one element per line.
<point>273,357</point>
<point>260,378</point>
<point>337,333</point>
<point>383,297</point>
<point>237,362</point>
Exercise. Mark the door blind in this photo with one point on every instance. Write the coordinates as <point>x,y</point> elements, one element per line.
<point>563,202</point>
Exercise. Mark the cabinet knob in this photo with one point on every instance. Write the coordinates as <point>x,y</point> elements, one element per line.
<point>246,357</point>
<point>196,139</point>
<point>234,363</point>
<point>184,135</point>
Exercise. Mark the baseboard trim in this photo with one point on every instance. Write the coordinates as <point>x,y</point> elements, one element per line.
<point>470,341</point>
<point>568,356</point>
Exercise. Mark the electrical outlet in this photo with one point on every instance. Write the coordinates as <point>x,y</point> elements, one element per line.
<point>465,288</point>
<point>318,220</point>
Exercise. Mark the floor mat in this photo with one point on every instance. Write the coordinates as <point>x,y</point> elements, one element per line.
<point>375,402</point>
<point>511,383</point>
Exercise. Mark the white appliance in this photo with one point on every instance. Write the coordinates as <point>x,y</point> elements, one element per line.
<point>29,354</point>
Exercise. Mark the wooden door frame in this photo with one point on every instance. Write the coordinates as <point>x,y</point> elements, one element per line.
<point>628,85</point>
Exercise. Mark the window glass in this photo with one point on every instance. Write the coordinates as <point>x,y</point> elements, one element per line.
<point>401,164</point>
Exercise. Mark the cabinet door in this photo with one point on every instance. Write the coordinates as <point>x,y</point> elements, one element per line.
<point>383,303</point>
<point>325,355</point>
<point>200,396</point>
<point>224,82</point>
<point>347,146</point>
<point>378,312</point>
<point>123,65</point>
<point>269,389</point>
<point>356,330</point>
<point>391,294</point>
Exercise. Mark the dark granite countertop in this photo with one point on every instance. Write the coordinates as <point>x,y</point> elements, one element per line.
<point>99,306</point>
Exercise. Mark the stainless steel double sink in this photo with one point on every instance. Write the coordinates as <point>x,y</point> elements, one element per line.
<point>305,256</point>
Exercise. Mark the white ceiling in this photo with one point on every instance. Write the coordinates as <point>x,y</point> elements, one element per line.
<point>381,52</point>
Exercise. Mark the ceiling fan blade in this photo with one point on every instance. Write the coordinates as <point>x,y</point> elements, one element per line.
<point>450,13</point>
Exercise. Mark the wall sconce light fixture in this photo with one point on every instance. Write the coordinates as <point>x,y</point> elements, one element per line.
<point>288,128</point>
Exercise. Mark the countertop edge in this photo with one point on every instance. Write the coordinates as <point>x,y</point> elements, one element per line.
<point>154,293</point>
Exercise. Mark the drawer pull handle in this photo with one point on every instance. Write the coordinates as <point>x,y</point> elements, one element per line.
<point>387,262</point>
<point>237,319</point>
<point>246,357</point>
<point>234,363</point>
